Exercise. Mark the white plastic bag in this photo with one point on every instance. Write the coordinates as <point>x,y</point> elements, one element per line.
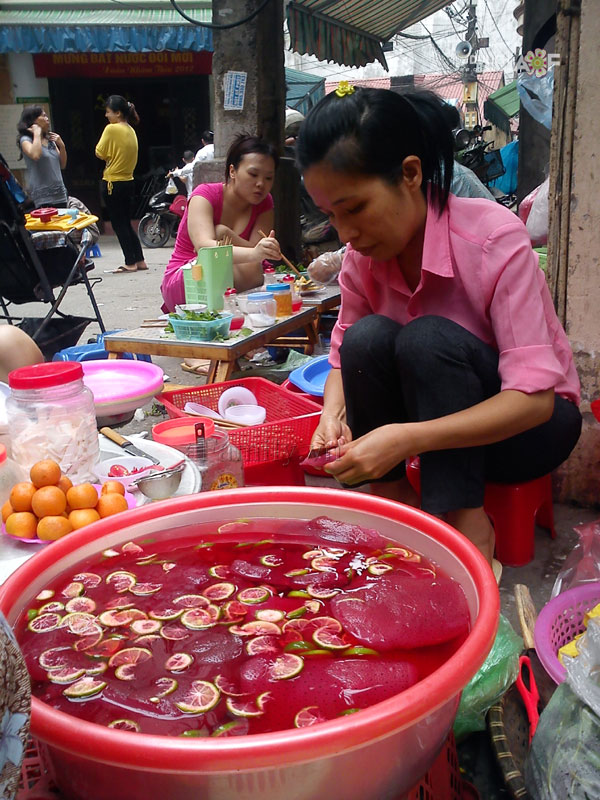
<point>537,221</point>
<point>171,187</point>
<point>583,562</point>
<point>325,268</point>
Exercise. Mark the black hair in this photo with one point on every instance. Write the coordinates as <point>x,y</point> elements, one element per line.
<point>188,155</point>
<point>451,115</point>
<point>28,117</point>
<point>117,103</point>
<point>245,144</point>
<point>207,137</point>
<point>372,131</point>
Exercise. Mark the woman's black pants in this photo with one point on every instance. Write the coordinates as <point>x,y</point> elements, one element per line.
<point>120,209</point>
<point>427,369</point>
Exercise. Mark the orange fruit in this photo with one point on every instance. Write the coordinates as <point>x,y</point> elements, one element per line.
<point>21,495</point>
<point>65,483</point>
<point>49,501</point>
<point>110,504</point>
<point>83,516</point>
<point>84,495</point>
<point>23,524</point>
<point>113,487</point>
<point>7,510</point>
<point>53,527</point>
<point>45,473</point>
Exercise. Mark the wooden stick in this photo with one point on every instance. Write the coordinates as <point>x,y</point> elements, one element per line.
<point>527,614</point>
<point>285,260</point>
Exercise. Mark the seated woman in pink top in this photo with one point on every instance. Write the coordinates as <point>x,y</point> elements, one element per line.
<point>447,345</point>
<point>238,208</point>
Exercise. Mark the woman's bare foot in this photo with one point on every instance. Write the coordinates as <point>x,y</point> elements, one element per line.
<point>475,524</point>
<point>141,266</point>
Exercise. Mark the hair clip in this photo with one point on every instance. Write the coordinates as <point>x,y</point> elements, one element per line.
<point>344,88</point>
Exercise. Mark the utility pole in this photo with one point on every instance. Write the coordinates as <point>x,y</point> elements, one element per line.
<point>469,73</point>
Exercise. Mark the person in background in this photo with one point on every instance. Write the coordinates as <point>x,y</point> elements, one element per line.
<point>185,173</point>
<point>45,157</point>
<point>118,147</point>
<point>207,151</point>
<point>447,345</point>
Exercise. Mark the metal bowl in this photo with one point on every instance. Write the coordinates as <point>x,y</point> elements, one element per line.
<point>160,485</point>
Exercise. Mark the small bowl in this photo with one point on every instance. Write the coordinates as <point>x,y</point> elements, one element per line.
<point>129,462</point>
<point>190,307</point>
<point>235,396</point>
<point>161,485</point>
<point>246,414</point>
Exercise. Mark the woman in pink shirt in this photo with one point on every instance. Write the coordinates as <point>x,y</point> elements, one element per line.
<point>447,344</point>
<point>239,208</point>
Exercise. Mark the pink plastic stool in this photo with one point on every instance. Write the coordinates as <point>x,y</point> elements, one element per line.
<point>514,509</point>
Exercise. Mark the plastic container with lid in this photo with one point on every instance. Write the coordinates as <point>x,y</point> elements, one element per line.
<point>296,299</point>
<point>262,309</point>
<point>231,305</point>
<point>10,473</point>
<point>51,415</point>
<point>270,275</point>
<point>219,462</point>
<point>283,297</point>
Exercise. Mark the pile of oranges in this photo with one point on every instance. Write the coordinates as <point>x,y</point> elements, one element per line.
<point>50,506</point>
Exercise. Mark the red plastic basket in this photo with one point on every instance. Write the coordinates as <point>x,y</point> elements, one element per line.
<point>442,782</point>
<point>286,434</point>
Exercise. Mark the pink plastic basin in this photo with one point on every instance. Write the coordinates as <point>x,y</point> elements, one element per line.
<point>377,754</point>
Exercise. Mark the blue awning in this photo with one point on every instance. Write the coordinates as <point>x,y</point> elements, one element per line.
<point>52,28</point>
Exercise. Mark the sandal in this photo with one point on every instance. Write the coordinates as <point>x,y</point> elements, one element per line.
<point>121,269</point>
<point>199,368</point>
<point>497,570</point>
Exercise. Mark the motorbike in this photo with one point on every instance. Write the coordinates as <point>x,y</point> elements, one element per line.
<point>164,211</point>
<point>473,151</point>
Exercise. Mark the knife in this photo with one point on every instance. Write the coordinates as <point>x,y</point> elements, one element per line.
<point>128,446</point>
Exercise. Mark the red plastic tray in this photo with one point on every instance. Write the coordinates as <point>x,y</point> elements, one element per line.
<point>442,782</point>
<point>286,434</point>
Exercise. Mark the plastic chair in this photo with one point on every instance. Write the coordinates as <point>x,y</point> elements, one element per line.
<point>93,351</point>
<point>514,509</point>
<point>93,251</point>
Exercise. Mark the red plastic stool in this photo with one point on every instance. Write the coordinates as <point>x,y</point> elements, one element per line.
<point>514,509</point>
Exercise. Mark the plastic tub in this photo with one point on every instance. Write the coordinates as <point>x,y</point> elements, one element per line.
<point>559,622</point>
<point>378,753</point>
<point>198,330</point>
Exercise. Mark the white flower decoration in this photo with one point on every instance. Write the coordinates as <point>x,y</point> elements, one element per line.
<point>537,62</point>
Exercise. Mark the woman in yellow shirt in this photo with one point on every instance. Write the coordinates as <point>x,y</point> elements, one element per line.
<point>118,147</point>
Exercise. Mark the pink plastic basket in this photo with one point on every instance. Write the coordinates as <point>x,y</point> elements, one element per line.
<point>559,622</point>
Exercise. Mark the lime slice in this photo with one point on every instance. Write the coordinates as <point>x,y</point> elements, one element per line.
<point>286,666</point>
<point>226,686</point>
<point>53,605</point>
<point>349,711</point>
<point>130,655</point>
<point>213,611</point>
<point>125,725</point>
<point>149,559</point>
<point>168,566</point>
<point>307,716</point>
<point>238,727</point>
<point>220,571</point>
<point>116,619</point>
<point>73,589</point>
<point>144,589</point>
<point>119,603</point>
<point>334,552</point>
<point>259,628</point>
<point>262,644</point>
<point>233,610</point>
<point>132,549</point>
<point>296,624</point>
<point>125,672</point>
<point>121,581</point>
<point>89,579</point>
<point>147,639</point>
<point>320,592</point>
<point>271,561</point>
<point>299,646</point>
<point>199,698</point>
<point>257,594</point>
<point>104,648</point>
<point>174,632</point>
<point>164,613</point>
<point>178,662</point>
<point>55,657</point>
<point>360,651</point>
<point>243,708</point>
<point>84,688</point>
<point>324,564</point>
<point>319,653</point>
<point>44,623</point>
<point>143,627</point>
<point>78,622</point>
<point>219,591</point>
<point>197,732</point>
<point>191,601</point>
<point>110,553</point>
<point>297,612</point>
<point>269,615</point>
<point>65,674</point>
<point>197,619</point>
<point>293,573</point>
<point>310,554</point>
<point>379,568</point>
<point>32,613</point>
<point>45,594</point>
<point>313,606</point>
<point>97,669</point>
<point>331,623</point>
<point>165,686</point>
<point>331,641</point>
<point>85,605</point>
<point>404,554</point>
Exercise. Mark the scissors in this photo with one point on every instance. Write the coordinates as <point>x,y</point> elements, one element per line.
<point>528,690</point>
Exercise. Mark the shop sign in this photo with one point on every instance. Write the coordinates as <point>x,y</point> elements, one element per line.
<point>121,65</point>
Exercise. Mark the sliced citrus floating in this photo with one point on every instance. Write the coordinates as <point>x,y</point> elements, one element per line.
<point>310,715</point>
<point>200,697</point>
<point>84,688</point>
<point>178,662</point>
<point>286,666</point>
<point>243,708</point>
<point>125,725</point>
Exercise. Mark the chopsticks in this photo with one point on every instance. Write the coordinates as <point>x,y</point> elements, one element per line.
<point>285,260</point>
<point>226,240</point>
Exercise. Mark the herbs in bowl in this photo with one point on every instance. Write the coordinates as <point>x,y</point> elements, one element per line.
<point>200,326</point>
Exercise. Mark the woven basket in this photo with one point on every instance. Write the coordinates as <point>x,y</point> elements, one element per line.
<point>15,698</point>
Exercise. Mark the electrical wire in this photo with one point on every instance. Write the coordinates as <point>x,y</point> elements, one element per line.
<point>497,28</point>
<point>215,25</point>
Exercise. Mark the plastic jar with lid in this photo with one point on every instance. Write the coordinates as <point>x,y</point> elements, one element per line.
<point>283,298</point>
<point>262,309</point>
<point>218,461</point>
<point>10,473</point>
<point>296,299</point>
<point>231,305</point>
<point>270,276</point>
<point>51,415</point>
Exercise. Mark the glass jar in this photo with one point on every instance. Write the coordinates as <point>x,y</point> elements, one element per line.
<point>270,276</point>
<point>51,414</point>
<point>231,305</point>
<point>218,461</point>
<point>262,309</point>
<point>296,299</point>
<point>283,298</point>
<point>10,473</point>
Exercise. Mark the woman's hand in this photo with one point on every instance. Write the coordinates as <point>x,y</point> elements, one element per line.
<point>55,137</point>
<point>330,432</point>
<point>268,248</point>
<point>371,456</point>
<point>35,130</point>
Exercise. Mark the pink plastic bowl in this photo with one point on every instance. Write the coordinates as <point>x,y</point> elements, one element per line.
<point>379,753</point>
